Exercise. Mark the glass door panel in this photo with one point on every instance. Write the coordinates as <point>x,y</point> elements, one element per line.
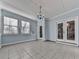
<point>70,30</point>
<point>60,31</point>
<point>41,33</point>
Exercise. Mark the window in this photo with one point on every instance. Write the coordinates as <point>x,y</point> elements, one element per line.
<point>25,27</point>
<point>10,25</point>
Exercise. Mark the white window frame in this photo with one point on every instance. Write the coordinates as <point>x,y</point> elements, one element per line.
<point>25,27</point>
<point>10,25</point>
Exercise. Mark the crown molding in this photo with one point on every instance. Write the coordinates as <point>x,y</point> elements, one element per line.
<point>11,8</point>
<point>70,11</point>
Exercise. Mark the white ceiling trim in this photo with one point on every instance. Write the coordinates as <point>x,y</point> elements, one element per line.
<point>64,13</point>
<point>11,8</point>
<point>51,8</point>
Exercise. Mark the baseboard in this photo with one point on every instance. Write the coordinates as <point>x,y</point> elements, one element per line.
<point>17,42</point>
<point>66,43</point>
<point>53,40</point>
<point>0,45</point>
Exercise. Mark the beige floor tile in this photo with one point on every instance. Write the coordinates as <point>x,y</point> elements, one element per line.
<point>39,50</point>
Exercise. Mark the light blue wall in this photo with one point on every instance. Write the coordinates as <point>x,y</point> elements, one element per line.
<point>0,26</point>
<point>53,25</point>
<point>52,30</point>
<point>47,29</point>
<point>19,37</point>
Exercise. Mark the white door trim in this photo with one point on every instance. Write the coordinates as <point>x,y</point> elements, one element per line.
<point>41,23</point>
<point>0,27</point>
<point>0,40</point>
<point>57,30</point>
<point>76,30</point>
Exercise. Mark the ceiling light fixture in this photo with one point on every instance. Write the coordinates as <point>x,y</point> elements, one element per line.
<point>40,15</point>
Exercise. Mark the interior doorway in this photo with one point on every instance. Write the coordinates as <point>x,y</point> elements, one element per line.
<point>41,30</point>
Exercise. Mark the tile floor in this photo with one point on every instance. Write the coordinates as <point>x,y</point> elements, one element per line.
<point>39,50</point>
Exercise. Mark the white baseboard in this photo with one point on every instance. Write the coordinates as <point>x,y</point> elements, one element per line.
<point>17,42</point>
<point>66,43</point>
<point>53,40</point>
<point>0,45</point>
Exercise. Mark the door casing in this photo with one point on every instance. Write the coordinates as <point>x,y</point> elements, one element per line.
<point>64,21</point>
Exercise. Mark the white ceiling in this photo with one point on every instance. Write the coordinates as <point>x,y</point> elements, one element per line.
<point>50,9</point>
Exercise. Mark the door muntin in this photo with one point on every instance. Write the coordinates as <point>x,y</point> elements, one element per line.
<point>60,31</point>
<point>70,30</point>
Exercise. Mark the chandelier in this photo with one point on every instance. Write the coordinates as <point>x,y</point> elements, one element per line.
<point>40,16</point>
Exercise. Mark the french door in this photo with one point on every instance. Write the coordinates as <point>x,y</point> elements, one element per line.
<point>60,31</point>
<point>66,31</point>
